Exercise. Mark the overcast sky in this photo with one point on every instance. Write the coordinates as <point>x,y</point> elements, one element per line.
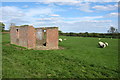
<point>69,15</point>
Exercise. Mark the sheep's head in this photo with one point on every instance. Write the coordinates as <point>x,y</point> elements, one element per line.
<point>60,40</point>
<point>101,44</point>
<point>106,43</point>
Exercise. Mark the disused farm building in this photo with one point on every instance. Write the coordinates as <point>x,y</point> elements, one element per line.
<point>35,38</point>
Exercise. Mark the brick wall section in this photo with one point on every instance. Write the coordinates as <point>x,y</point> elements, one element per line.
<point>13,36</point>
<point>23,36</point>
<point>52,38</point>
<point>26,36</point>
<point>31,37</point>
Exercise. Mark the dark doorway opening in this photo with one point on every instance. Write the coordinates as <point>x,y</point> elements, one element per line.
<point>44,38</point>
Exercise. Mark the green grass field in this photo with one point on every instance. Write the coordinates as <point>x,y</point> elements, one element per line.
<point>81,58</point>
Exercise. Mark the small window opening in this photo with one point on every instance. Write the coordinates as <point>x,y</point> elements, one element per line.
<point>44,30</point>
<point>17,30</point>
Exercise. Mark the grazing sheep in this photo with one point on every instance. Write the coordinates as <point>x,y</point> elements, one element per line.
<point>60,40</point>
<point>101,44</point>
<point>106,43</point>
<point>65,39</point>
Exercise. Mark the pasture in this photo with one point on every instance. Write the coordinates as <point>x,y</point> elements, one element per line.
<point>80,58</point>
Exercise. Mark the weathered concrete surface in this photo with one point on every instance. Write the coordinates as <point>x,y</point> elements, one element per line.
<point>39,37</point>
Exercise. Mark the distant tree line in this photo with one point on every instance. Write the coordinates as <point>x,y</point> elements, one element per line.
<point>86,34</point>
<point>112,33</point>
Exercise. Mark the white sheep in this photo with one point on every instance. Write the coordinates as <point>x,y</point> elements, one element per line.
<point>65,39</point>
<point>101,44</point>
<point>106,43</point>
<point>99,38</point>
<point>60,40</point>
